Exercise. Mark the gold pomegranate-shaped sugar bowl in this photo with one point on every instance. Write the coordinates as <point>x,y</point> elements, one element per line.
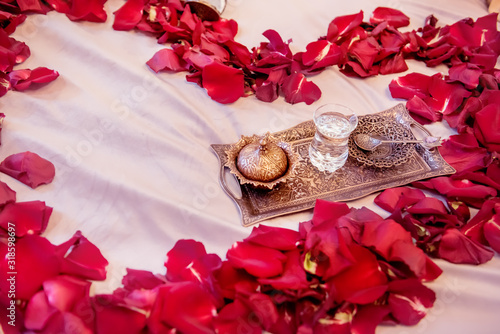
<point>262,161</point>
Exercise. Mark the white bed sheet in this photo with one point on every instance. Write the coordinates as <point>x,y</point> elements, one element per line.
<point>135,172</point>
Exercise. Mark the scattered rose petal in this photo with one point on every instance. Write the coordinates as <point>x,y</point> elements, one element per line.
<point>397,198</point>
<point>129,15</point>
<point>274,237</point>
<point>298,89</point>
<point>23,79</point>
<point>82,258</point>
<point>29,168</point>
<point>167,59</point>
<point>409,301</point>
<point>111,318</point>
<point>455,247</point>
<point>410,85</point>
<point>491,230</point>
<point>392,16</point>
<point>293,277</point>
<point>487,125</point>
<point>342,25</point>
<point>463,153</point>
<point>421,112</point>
<point>38,312</point>
<point>7,195</point>
<point>257,260</point>
<point>184,306</point>
<point>466,73</point>
<point>27,217</point>
<point>224,84</point>
<point>36,262</point>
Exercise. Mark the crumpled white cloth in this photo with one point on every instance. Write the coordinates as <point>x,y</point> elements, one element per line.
<point>134,169</point>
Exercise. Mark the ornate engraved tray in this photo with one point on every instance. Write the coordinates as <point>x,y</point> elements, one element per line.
<point>355,180</point>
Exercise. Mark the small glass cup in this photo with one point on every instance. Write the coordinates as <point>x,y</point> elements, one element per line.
<point>329,149</point>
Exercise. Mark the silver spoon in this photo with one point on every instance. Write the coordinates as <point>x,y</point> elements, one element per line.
<point>369,143</point>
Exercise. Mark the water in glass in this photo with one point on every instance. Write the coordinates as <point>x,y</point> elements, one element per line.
<point>329,149</point>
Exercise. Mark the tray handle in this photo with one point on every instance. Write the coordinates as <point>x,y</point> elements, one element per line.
<point>225,187</point>
<point>420,127</point>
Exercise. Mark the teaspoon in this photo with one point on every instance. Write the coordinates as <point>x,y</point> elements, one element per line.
<point>369,143</point>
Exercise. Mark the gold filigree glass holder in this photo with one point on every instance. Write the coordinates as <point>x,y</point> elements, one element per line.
<point>355,180</point>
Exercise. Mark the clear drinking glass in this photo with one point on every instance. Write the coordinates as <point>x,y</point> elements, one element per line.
<point>329,149</point>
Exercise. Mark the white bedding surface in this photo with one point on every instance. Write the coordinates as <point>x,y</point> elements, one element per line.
<point>134,169</point>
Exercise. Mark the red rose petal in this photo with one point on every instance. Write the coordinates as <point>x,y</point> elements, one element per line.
<point>267,91</point>
<point>363,282</point>
<point>397,198</point>
<point>117,319</point>
<point>368,317</point>
<point>466,73</point>
<point>87,10</point>
<point>65,292</point>
<point>382,235</point>
<point>182,254</point>
<point>297,89</point>
<point>167,59</point>
<point>36,262</point>
<point>461,118</point>
<point>129,15</point>
<point>263,309</point>
<point>365,51</point>
<point>5,85</point>
<point>392,16</point>
<point>188,260</point>
<point>276,43</point>
<point>240,51</point>
<point>82,258</point>
<point>64,323</point>
<point>474,229</point>
<point>342,25</point>
<point>410,85</point>
<point>455,247</point>
<point>428,205</point>
<point>321,54</point>
<point>463,153</point>
<point>22,79</point>
<point>293,276</point>
<point>7,195</point>
<point>185,306</point>
<point>257,260</point>
<point>491,230</point>
<point>409,301</point>
<point>326,211</point>
<point>327,250</point>
<point>415,259</point>
<point>234,317</point>
<point>27,217</point>
<point>487,125</point>
<point>393,64</point>
<point>38,312</point>
<point>29,168</point>
<point>60,6</point>
<point>274,237</point>
<point>231,279</point>
<point>462,188</point>
<point>224,84</point>
<point>465,33</point>
<point>445,97</point>
<point>421,112</point>
<point>33,6</point>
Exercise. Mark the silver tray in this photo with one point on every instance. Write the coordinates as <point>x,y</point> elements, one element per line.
<point>355,180</point>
